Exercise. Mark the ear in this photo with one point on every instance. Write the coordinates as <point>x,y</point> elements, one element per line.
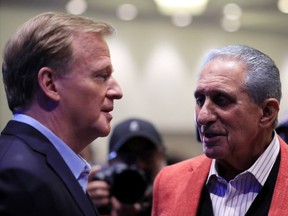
<point>46,80</point>
<point>270,109</point>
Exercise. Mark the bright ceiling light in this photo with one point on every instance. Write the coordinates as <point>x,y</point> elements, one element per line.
<point>283,6</point>
<point>232,11</point>
<point>76,7</point>
<point>127,12</point>
<point>170,7</point>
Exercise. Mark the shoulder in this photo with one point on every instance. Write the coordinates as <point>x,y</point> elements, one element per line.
<point>185,168</point>
<point>18,156</point>
<point>187,165</point>
<point>15,151</point>
<point>173,180</point>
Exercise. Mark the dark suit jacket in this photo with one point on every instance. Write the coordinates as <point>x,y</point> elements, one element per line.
<point>34,179</point>
<point>178,188</point>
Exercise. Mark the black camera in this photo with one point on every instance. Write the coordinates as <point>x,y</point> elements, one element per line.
<point>127,183</point>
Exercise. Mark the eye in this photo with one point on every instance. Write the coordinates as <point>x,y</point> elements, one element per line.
<point>222,100</point>
<point>102,75</point>
<point>200,99</point>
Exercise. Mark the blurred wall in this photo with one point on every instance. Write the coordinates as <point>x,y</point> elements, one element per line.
<point>155,63</point>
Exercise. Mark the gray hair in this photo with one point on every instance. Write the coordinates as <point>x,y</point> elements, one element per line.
<point>263,77</point>
<point>43,41</point>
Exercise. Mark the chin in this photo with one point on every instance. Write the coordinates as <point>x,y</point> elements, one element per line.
<point>105,131</point>
<point>211,153</point>
<point>102,128</point>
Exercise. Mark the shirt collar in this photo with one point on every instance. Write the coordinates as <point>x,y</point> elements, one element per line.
<point>75,162</point>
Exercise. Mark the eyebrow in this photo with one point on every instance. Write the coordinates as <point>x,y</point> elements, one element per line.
<point>198,91</point>
<point>212,92</point>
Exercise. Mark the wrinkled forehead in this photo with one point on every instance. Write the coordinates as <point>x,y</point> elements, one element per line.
<point>223,68</point>
<point>222,74</point>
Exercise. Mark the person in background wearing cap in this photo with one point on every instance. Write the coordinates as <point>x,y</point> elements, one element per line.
<point>135,142</point>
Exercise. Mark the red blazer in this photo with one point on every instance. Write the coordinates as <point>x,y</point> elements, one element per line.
<point>177,188</point>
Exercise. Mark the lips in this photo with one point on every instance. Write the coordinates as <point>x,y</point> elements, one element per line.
<point>107,109</point>
<point>209,135</point>
<point>209,131</point>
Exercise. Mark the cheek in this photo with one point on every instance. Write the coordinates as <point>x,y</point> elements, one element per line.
<point>242,119</point>
<point>241,132</point>
<point>93,97</point>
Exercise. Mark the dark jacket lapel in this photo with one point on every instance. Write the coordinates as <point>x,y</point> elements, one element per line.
<point>41,144</point>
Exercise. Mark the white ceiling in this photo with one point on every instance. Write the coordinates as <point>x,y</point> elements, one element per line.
<point>257,15</point>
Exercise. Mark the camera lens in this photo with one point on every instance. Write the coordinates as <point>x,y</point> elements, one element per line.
<point>129,185</point>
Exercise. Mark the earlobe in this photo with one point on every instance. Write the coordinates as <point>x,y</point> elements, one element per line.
<point>46,80</point>
<point>270,111</point>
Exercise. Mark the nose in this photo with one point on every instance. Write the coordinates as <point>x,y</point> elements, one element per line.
<point>114,92</point>
<point>205,114</point>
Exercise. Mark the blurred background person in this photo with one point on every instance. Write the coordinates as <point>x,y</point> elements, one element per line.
<point>136,155</point>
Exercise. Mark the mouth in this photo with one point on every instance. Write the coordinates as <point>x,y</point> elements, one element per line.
<point>107,109</point>
<point>107,112</point>
<point>209,136</point>
<point>211,139</point>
